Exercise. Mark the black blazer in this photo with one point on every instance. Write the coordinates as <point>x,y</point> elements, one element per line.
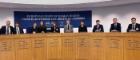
<point>34,29</point>
<point>0,30</point>
<point>118,28</point>
<point>21,30</point>
<point>41,28</point>
<point>82,29</point>
<point>56,29</point>
<point>3,30</point>
<point>100,27</point>
<point>130,27</point>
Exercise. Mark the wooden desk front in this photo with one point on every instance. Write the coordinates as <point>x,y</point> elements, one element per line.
<point>71,46</point>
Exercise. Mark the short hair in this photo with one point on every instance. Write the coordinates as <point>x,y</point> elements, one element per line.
<point>16,22</point>
<point>81,21</point>
<point>115,18</point>
<point>133,18</point>
<point>97,20</point>
<point>67,20</point>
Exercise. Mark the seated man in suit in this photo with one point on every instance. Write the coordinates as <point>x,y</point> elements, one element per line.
<point>42,27</point>
<point>133,27</point>
<point>7,29</point>
<point>18,29</point>
<point>68,28</point>
<point>34,28</point>
<point>0,31</point>
<point>98,27</point>
<point>82,27</point>
<point>55,28</point>
<point>115,26</point>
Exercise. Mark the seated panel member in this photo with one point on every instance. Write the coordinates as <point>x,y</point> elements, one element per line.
<point>0,31</point>
<point>7,29</point>
<point>34,28</point>
<point>55,28</point>
<point>98,27</point>
<point>18,29</point>
<point>68,28</point>
<point>133,27</point>
<point>42,28</point>
<point>115,26</point>
<point>82,27</point>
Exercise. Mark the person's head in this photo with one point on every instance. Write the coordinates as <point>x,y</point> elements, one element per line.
<point>115,20</point>
<point>8,23</point>
<point>34,24</point>
<point>68,22</point>
<point>41,23</point>
<point>54,23</point>
<point>82,23</point>
<point>133,20</point>
<point>17,24</point>
<point>97,22</point>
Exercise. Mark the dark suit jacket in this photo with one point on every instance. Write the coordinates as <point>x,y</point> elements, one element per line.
<point>82,29</point>
<point>3,30</point>
<point>21,30</point>
<point>57,29</point>
<point>100,27</point>
<point>118,28</point>
<point>70,29</point>
<point>34,29</point>
<point>0,31</point>
<point>130,27</point>
<point>41,28</point>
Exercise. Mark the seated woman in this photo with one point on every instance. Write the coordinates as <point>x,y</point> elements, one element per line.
<point>34,28</point>
<point>55,28</point>
<point>82,27</point>
<point>42,27</point>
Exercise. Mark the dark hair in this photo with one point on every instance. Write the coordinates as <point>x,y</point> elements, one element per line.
<point>97,20</point>
<point>81,21</point>
<point>133,18</point>
<point>16,22</point>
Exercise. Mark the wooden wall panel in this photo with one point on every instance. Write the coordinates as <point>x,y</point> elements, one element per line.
<point>23,49</point>
<point>38,45</point>
<point>82,48</point>
<point>97,48</point>
<point>53,48</point>
<point>7,49</point>
<point>129,48</point>
<point>68,48</point>
<point>137,48</point>
<point>114,48</point>
<point>71,46</point>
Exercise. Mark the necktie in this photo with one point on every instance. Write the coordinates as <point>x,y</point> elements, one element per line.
<point>97,27</point>
<point>115,25</point>
<point>68,27</point>
<point>7,30</point>
<point>54,28</point>
<point>133,27</point>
